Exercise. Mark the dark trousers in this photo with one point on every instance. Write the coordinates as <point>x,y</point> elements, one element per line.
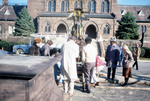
<point>113,73</point>
<point>120,61</point>
<point>88,73</point>
<point>136,63</point>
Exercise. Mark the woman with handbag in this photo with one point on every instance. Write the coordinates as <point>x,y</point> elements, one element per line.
<point>126,64</point>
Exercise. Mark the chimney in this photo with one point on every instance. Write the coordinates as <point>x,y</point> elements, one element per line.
<point>5,2</point>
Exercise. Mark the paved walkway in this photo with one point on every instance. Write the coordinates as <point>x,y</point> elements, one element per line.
<point>137,90</point>
<point>112,92</point>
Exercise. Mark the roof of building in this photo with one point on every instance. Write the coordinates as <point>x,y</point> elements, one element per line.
<point>65,14</point>
<point>142,13</point>
<point>9,12</point>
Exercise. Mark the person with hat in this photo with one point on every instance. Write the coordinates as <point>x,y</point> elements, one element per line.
<point>89,59</point>
<point>111,58</point>
<point>35,48</point>
<point>126,63</point>
<point>45,50</point>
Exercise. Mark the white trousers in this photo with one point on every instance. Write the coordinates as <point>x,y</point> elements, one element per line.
<point>94,78</point>
<point>69,86</point>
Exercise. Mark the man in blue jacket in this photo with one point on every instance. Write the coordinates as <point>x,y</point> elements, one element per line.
<point>112,57</point>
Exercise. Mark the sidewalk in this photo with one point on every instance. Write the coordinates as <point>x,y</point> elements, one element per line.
<point>141,76</point>
<point>137,90</point>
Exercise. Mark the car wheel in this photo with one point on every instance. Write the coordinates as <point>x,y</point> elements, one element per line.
<point>19,51</point>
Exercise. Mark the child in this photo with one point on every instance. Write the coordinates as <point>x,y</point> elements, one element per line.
<point>99,65</point>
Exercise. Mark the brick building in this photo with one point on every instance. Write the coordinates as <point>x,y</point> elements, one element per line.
<point>50,16</point>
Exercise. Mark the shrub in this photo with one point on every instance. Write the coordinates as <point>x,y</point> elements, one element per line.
<point>147,52</point>
<point>6,45</point>
<point>142,52</point>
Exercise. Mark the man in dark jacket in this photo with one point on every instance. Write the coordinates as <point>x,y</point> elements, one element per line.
<point>35,48</point>
<point>112,57</point>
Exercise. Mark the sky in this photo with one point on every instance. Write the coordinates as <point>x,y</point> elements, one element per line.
<point>120,2</point>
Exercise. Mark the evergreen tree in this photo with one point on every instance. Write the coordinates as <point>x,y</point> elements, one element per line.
<point>128,28</point>
<point>24,23</point>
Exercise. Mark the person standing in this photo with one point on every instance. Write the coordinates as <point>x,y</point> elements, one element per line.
<point>121,54</point>
<point>45,50</point>
<point>35,48</point>
<point>126,63</point>
<point>88,58</point>
<point>136,55</point>
<point>111,58</point>
<point>69,52</point>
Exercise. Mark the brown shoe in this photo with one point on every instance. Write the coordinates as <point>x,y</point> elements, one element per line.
<point>71,94</point>
<point>92,85</point>
<point>97,84</point>
<point>101,75</point>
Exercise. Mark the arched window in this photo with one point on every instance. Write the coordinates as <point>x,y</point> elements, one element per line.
<point>80,4</point>
<point>66,6</point>
<point>91,6</point>
<point>49,6</point>
<point>105,6</point>
<point>62,6</point>
<point>52,5</point>
<point>102,7</point>
<point>75,4</point>
<point>141,31</point>
<point>106,30</point>
<point>144,30</point>
<point>47,28</point>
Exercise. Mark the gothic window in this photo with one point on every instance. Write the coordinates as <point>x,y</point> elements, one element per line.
<point>106,30</point>
<point>47,28</point>
<point>66,6</point>
<point>62,6</point>
<point>49,6</point>
<point>91,6</point>
<point>75,4</point>
<point>52,5</point>
<point>105,6</point>
<point>102,7</point>
<point>144,30</point>
<point>80,4</point>
<point>141,31</point>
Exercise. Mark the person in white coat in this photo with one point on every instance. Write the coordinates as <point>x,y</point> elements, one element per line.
<point>69,52</point>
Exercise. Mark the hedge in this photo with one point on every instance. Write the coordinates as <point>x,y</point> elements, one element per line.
<point>142,52</point>
<point>147,52</point>
<point>6,45</point>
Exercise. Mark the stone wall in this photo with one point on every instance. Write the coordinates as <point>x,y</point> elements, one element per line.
<point>29,78</point>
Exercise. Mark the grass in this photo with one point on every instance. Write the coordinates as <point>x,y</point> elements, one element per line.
<point>147,59</point>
